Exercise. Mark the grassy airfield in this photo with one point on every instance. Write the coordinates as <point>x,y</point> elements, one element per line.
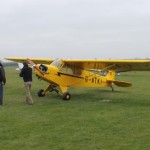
<point>94,119</point>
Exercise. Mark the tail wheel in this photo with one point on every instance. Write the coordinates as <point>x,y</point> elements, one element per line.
<point>66,96</point>
<point>112,88</point>
<point>41,93</point>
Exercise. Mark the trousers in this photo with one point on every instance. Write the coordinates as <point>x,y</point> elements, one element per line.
<point>1,93</point>
<point>27,86</point>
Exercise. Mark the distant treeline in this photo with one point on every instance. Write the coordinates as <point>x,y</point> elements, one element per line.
<point>10,63</point>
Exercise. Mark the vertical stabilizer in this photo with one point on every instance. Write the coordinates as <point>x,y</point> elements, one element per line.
<point>111,78</point>
<point>111,75</point>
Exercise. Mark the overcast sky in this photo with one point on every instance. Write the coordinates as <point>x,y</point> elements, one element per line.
<point>75,28</point>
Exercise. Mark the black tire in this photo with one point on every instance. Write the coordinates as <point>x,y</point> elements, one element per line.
<point>41,93</point>
<point>66,96</point>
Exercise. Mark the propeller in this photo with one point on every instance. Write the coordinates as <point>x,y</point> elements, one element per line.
<point>35,66</point>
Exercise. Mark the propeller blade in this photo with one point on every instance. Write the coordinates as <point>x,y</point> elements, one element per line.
<point>35,66</point>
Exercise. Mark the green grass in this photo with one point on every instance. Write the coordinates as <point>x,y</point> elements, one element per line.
<point>94,119</point>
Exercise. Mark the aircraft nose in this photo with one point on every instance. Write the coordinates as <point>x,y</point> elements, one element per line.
<point>38,69</point>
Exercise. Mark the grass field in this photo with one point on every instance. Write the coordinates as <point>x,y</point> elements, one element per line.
<point>94,119</point>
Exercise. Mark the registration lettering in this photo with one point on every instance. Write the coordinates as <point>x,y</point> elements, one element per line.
<point>93,80</point>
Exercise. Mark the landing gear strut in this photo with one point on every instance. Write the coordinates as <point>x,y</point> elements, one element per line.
<point>41,93</point>
<point>51,88</point>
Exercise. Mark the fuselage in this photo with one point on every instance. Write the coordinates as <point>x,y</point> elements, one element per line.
<point>68,78</point>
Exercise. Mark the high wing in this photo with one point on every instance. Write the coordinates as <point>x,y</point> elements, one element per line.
<point>116,65</point>
<point>35,60</point>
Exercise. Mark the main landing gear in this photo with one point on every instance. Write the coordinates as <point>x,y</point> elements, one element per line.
<point>41,93</point>
<point>65,95</point>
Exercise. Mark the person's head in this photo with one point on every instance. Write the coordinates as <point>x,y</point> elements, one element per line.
<point>25,63</point>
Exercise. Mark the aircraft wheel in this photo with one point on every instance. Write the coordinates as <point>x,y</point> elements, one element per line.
<point>66,96</point>
<point>41,93</point>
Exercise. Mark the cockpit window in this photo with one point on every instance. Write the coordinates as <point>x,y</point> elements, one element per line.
<point>57,63</point>
<point>43,68</point>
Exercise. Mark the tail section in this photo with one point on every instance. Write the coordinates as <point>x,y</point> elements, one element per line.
<point>111,78</point>
<point>111,75</point>
<point>122,83</point>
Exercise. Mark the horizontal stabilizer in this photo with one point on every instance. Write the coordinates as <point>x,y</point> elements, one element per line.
<point>121,83</point>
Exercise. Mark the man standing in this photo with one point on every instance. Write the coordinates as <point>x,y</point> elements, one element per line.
<point>2,82</point>
<point>26,73</point>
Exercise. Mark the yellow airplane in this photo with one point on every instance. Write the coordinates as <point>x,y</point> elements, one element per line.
<point>62,74</point>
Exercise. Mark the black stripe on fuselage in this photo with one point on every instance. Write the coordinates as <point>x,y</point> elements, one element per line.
<point>65,74</point>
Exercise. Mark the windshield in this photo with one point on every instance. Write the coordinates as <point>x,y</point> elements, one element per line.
<point>67,68</point>
<point>57,63</point>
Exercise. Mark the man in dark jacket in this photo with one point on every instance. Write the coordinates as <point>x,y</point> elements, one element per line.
<point>2,82</point>
<point>26,73</point>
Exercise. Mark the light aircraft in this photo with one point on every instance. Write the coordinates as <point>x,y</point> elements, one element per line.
<point>20,66</point>
<point>62,74</point>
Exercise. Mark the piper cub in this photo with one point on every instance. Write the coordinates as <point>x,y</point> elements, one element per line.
<point>60,74</point>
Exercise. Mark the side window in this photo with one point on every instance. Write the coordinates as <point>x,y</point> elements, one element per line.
<point>43,68</point>
<point>77,71</point>
<point>67,69</point>
<point>71,70</point>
